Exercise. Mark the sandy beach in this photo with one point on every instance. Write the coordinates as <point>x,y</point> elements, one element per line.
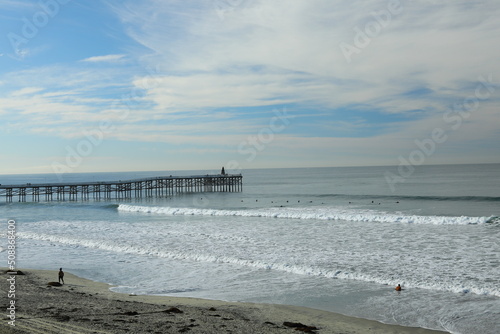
<point>85,306</point>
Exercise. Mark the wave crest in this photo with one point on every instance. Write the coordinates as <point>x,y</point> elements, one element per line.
<point>311,213</point>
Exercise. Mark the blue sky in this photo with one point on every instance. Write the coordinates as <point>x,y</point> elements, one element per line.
<point>133,85</point>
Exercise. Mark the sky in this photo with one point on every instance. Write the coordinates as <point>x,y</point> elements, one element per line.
<point>150,85</point>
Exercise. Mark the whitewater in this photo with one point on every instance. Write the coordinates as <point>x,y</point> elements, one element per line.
<point>315,213</point>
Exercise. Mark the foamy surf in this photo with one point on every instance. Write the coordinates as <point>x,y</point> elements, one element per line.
<point>282,266</point>
<point>311,213</point>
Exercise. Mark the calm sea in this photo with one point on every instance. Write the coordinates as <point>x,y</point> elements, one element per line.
<point>336,239</point>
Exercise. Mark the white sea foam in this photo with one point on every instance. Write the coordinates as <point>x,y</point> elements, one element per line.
<point>311,213</point>
<point>278,263</point>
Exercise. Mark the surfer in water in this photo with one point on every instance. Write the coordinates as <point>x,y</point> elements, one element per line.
<point>398,288</point>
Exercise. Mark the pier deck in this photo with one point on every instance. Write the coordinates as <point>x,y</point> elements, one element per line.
<point>146,187</point>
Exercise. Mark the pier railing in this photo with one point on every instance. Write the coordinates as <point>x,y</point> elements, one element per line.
<point>146,187</point>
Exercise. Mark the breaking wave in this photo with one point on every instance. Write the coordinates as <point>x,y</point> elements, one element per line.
<point>314,213</point>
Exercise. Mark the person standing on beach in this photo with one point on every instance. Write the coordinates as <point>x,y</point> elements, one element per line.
<point>61,275</point>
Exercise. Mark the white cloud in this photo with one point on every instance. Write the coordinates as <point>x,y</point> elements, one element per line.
<point>26,91</point>
<point>107,58</point>
<point>295,45</point>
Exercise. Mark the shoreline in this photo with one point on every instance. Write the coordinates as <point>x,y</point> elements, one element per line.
<point>86,306</point>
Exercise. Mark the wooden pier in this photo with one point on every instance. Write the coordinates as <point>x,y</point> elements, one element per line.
<point>147,187</point>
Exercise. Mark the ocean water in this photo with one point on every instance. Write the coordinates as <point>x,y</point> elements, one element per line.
<point>337,239</point>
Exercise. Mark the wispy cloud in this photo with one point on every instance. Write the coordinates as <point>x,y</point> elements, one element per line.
<point>26,91</point>
<point>295,47</point>
<point>106,58</point>
<point>14,4</point>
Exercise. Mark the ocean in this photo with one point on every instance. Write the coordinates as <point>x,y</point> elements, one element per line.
<point>336,239</point>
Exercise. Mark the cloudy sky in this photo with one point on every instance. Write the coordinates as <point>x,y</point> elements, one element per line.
<point>132,85</point>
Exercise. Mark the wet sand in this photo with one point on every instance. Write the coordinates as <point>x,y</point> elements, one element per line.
<point>84,306</point>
